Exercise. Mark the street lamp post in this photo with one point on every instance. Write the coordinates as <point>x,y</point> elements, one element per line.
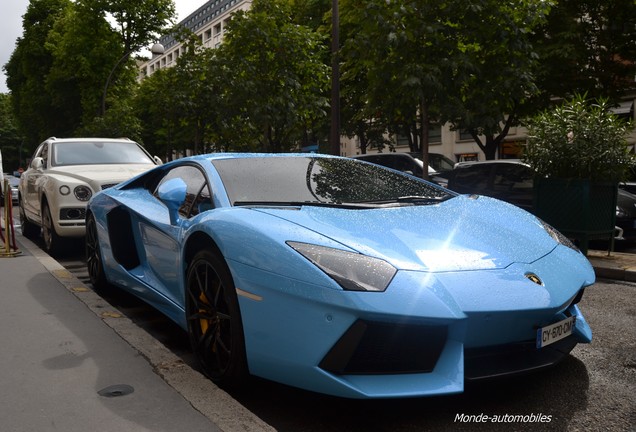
<point>157,48</point>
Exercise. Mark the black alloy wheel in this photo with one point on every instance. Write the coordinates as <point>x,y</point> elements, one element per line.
<point>94,261</point>
<point>214,319</point>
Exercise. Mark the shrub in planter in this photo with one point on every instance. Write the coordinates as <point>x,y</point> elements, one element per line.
<point>580,153</point>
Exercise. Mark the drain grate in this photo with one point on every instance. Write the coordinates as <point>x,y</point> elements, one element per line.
<point>116,390</point>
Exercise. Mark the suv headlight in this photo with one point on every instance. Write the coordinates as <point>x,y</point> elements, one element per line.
<point>352,271</point>
<point>83,193</point>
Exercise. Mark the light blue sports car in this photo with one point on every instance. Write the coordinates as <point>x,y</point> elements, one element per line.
<point>339,276</point>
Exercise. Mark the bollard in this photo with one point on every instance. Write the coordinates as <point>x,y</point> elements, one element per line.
<point>10,248</point>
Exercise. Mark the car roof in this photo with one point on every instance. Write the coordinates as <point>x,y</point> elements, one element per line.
<point>497,161</point>
<point>87,139</point>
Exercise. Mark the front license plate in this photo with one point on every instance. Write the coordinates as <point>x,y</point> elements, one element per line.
<point>555,332</point>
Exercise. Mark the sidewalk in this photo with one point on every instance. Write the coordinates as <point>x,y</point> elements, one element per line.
<point>616,265</point>
<point>62,344</point>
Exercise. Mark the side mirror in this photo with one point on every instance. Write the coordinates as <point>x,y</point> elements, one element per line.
<point>157,160</point>
<point>37,163</point>
<point>173,194</point>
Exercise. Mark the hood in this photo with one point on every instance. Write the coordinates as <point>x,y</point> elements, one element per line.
<point>101,173</point>
<point>463,233</point>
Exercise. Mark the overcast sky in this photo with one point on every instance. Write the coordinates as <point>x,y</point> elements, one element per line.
<point>11,27</point>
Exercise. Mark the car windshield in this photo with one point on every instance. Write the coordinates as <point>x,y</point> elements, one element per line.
<point>97,153</point>
<point>315,180</point>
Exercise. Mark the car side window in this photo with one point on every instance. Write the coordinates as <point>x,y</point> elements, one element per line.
<point>198,196</point>
<point>512,177</point>
<point>44,154</point>
<point>472,178</point>
<point>407,164</point>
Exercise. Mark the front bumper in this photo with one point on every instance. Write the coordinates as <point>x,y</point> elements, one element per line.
<point>426,335</point>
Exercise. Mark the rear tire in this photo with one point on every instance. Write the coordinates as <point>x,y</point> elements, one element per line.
<point>214,320</point>
<point>29,229</point>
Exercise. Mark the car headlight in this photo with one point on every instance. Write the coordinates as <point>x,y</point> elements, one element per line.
<point>557,236</point>
<point>83,193</point>
<point>352,271</point>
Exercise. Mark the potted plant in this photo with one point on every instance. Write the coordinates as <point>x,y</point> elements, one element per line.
<point>579,152</point>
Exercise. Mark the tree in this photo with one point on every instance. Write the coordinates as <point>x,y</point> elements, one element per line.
<point>137,24</point>
<point>68,52</point>
<point>10,138</point>
<point>469,63</point>
<point>157,109</point>
<point>83,47</point>
<point>498,88</point>
<point>274,78</point>
<point>27,70</point>
<point>587,46</point>
<point>404,53</point>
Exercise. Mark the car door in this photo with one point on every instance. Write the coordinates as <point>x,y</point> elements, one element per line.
<point>162,240</point>
<point>32,181</point>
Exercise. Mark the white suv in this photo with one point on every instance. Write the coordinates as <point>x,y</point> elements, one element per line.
<point>64,174</point>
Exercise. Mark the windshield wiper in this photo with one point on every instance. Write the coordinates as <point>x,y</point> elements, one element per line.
<point>411,199</point>
<point>299,204</point>
<point>426,199</point>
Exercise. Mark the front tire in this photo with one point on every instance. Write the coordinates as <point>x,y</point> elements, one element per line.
<point>214,320</point>
<point>94,261</point>
<point>52,241</point>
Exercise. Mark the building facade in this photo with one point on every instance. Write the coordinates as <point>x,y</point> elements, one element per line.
<point>208,22</point>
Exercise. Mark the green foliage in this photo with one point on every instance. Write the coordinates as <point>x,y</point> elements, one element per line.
<point>274,81</point>
<point>84,48</point>
<point>27,70</point>
<point>158,113</point>
<point>10,138</point>
<point>498,87</point>
<point>587,46</point>
<point>119,121</point>
<point>395,62</point>
<point>68,51</point>
<point>408,63</point>
<point>579,139</point>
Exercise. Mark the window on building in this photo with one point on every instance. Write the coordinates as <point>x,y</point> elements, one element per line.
<point>435,133</point>
<point>401,140</point>
<point>465,135</point>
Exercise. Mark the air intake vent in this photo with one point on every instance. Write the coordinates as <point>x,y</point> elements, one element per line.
<point>386,348</point>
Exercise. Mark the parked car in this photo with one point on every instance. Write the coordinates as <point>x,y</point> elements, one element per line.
<point>411,163</point>
<point>64,174</point>
<point>13,186</point>
<point>337,275</point>
<point>626,215</point>
<point>511,180</point>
